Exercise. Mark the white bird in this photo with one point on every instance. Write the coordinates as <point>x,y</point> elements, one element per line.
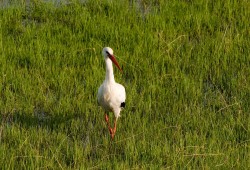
<point>111,95</point>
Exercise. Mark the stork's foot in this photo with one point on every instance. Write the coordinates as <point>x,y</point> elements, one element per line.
<point>111,131</point>
<point>113,135</point>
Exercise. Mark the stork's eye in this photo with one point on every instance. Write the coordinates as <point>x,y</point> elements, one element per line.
<point>107,53</point>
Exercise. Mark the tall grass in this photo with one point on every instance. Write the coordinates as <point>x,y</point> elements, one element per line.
<point>186,73</point>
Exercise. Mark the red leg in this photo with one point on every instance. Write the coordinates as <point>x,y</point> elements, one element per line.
<point>106,118</point>
<point>114,130</point>
<point>107,121</point>
<point>111,131</point>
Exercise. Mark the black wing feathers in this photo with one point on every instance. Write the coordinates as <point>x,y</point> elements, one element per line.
<point>123,104</point>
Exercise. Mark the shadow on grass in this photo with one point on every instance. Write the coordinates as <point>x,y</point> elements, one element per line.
<point>52,122</point>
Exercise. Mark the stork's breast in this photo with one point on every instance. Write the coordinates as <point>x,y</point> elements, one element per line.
<point>106,102</point>
<point>106,97</point>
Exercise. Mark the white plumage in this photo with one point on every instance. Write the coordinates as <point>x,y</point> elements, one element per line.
<point>111,95</point>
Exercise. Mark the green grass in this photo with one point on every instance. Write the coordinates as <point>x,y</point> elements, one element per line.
<point>186,70</point>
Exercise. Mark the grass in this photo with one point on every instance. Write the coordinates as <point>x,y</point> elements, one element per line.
<point>186,73</point>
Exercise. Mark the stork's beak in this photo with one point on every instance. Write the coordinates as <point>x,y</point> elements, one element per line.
<point>113,59</point>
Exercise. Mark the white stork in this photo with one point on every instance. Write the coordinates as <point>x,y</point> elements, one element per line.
<point>111,95</point>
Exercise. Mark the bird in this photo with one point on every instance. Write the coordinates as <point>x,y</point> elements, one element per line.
<point>111,95</point>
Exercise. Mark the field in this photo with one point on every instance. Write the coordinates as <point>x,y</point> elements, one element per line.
<point>186,70</point>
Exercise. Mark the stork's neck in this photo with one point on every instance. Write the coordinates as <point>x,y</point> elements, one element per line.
<point>109,71</point>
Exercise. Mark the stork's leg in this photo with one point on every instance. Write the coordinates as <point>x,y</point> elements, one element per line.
<point>107,121</point>
<point>114,129</point>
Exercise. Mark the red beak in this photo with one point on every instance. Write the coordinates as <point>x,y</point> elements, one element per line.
<point>112,57</point>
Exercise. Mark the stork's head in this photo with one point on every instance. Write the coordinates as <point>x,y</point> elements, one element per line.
<point>107,52</point>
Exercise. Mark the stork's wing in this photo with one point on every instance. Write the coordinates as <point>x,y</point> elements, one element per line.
<point>120,94</point>
<point>123,104</point>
